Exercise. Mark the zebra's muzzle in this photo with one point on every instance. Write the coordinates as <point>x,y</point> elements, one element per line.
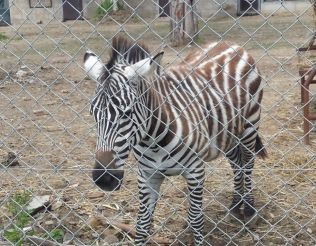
<point>104,174</point>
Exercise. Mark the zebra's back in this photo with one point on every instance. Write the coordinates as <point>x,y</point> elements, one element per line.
<point>208,98</point>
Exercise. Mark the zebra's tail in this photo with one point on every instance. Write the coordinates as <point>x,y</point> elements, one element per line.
<point>260,149</point>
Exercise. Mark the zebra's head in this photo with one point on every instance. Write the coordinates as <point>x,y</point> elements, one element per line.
<point>114,106</point>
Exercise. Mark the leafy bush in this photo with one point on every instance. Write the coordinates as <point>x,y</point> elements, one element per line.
<point>105,8</point>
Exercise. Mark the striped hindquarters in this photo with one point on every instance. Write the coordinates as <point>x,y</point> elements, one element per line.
<point>221,95</point>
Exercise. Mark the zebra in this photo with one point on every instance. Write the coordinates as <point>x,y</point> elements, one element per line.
<point>175,121</point>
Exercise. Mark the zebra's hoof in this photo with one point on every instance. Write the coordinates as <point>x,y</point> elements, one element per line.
<point>250,216</point>
<point>185,225</point>
<point>251,221</point>
<point>233,215</point>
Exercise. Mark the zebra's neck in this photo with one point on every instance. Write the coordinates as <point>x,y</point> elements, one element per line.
<point>153,105</point>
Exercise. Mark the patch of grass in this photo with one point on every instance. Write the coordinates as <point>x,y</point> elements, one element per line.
<point>19,216</point>
<point>3,36</point>
<point>199,40</point>
<point>105,8</point>
<point>57,235</point>
<point>13,235</point>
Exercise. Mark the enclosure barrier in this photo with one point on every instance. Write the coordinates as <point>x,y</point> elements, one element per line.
<point>48,137</point>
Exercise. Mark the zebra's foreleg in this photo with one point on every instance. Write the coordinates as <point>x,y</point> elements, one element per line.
<point>247,146</point>
<point>234,157</point>
<point>195,183</point>
<point>149,187</point>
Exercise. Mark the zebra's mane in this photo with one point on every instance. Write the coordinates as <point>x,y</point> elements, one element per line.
<point>126,51</point>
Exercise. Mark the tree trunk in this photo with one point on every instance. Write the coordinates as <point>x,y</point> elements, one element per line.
<point>176,22</point>
<point>183,22</point>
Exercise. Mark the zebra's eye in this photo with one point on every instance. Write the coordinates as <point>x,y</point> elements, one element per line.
<point>133,83</point>
<point>124,110</point>
<point>128,112</point>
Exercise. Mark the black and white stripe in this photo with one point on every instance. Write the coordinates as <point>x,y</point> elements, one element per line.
<point>175,122</point>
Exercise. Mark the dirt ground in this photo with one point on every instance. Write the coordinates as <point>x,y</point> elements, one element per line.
<point>44,119</point>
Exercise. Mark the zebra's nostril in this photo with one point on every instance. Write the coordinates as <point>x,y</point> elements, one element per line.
<point>107,180</point>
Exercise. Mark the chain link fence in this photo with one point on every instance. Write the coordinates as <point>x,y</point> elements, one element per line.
<point>48,137</point>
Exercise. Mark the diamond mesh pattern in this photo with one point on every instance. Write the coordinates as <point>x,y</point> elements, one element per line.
<point>46,126</point>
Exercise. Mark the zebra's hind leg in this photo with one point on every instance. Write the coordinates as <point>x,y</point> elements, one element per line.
<point>247,145</point>
<point>149,186</point>
<point>234,158</point>
<point>195,180</point>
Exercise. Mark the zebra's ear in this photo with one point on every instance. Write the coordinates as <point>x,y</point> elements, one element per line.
<point>157,59</point>
<point>155,62</point>
<point>93,65</point>
<point>147,66</point>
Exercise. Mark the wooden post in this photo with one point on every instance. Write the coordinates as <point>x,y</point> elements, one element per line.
<point>190,21</point>
<point>176,22</point>
<point>183,22</point>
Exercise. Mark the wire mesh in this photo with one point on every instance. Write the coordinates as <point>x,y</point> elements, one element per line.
<point>48,137</point>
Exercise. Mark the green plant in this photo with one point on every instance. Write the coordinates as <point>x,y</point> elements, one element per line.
<point>57,235</point>
<point>13,236</point>
<point>19,216</point>
<point>106,7</point>
<point>3,36</point>
<point>199,40</point>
